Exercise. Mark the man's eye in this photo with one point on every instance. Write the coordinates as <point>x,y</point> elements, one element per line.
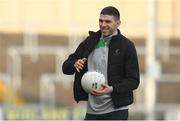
<point>108,21</point>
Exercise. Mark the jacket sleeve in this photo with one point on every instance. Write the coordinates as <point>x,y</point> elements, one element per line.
<point>68,65</point>
<point>131,78</point>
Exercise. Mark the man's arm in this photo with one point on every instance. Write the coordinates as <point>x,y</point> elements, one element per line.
<point>68,65</point>
<point>74,62</point>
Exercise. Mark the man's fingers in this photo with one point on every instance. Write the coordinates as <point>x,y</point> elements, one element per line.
<point>77,70</point>
<point>84,59</point>
<point>94,93</point>
<point>99,91</point>
<point>104,85</point>
<point>81,61</point>
<point>79,64</point>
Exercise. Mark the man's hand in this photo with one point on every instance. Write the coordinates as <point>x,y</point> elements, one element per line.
<point>79,64</point>
<point>106,89</point>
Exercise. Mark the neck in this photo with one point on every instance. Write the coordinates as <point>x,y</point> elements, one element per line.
<point>109,36</point>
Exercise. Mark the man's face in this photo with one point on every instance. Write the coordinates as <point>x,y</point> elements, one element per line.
<point>108,24</point>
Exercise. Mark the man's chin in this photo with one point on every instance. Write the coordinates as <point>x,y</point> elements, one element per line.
<point>105,35</point>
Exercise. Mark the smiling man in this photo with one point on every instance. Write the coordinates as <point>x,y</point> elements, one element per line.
<point>112,54</point>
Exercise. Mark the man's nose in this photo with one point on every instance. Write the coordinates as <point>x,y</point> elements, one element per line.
<point>103,24</point>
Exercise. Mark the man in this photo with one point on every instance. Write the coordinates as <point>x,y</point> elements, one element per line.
<point>109,52</point>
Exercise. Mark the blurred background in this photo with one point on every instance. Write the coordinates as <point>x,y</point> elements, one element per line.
<point>36,36</point>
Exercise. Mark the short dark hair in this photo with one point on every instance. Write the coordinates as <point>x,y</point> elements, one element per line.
<point>110,10</point>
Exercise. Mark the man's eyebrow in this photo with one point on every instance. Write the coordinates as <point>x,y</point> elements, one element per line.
<point>107,20</point>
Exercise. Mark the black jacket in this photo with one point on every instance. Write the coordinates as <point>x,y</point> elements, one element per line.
<point>123,69</point>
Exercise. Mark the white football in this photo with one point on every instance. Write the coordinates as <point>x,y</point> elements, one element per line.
<point>92,80</point>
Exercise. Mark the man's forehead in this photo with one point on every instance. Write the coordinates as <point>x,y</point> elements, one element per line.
<point>102,16</point>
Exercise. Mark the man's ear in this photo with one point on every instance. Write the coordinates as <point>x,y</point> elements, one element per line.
<point>118,23</point>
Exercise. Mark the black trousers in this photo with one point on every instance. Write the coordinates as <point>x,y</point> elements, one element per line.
<point>116,115</point>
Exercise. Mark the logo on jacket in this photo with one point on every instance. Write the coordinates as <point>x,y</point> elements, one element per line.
<point>117,52</point>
